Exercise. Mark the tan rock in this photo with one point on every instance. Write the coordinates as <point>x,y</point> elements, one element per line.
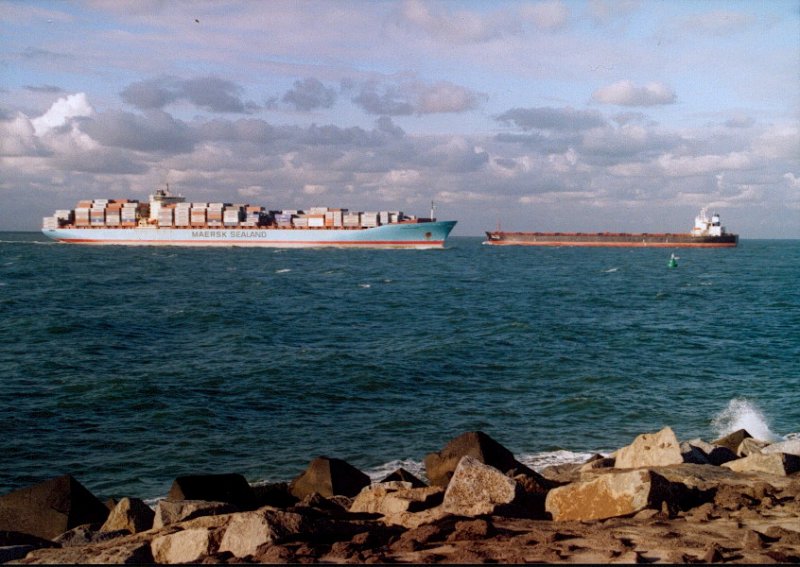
<point>249,530</point>
<point>608,496</point>
<point>396,498</point>
<point>130,514</point>
<point>174,511</point>
<point>750,446</point>
<point>791,447</point>
<point>780,464</point>
<point>413,520</point>
<point>733,440</point>
<point>650,450</point>
<point>476,489</point>
<point>185,546</point>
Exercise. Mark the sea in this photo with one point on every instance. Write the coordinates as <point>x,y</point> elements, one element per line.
<point>129,366</point>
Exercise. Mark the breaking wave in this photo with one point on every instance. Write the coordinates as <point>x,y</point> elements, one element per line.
<point>743,414</point>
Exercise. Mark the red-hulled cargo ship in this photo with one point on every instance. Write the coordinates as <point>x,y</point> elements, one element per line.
<point>707,233</point>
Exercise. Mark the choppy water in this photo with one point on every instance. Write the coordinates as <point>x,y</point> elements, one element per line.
<point>127,367</point>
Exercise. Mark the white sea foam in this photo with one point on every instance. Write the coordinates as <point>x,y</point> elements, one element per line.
<point>611,270</point>
<point>283,271</point>
<point>538,461</point>
<point>382,471</point>
<point>743,414</point>
<point>365,285</point>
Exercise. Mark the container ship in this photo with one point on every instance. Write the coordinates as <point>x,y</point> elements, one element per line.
<point>167,219</point>
<point>707,233</point>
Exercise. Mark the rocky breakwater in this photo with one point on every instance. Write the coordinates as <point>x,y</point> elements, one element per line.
<point>736,499</point>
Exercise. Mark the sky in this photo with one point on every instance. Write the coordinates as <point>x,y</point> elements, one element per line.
<point>546,115</point>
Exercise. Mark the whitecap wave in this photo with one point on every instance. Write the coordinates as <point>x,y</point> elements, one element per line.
<point>538,461</point>
<point>283,271</point>
<point>741,413</point>
<point>380,472</point>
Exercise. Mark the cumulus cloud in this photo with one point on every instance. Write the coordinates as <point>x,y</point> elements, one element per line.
<point>682,166</point>
<point>625,93</point>
<point>18,137</point>
<point>310,94</point>
<point>61,112</point>
<point>556,119</point>
<point>415,97</point>
<point>153,131</point>
<point>209,93</point>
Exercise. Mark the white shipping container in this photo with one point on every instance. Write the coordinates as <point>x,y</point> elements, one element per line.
<point>351,219</point>
<point>300,222</point>
<point>369,219</point>
<point>318,210</point>
<point>383,217</point>
<point>316,222</point>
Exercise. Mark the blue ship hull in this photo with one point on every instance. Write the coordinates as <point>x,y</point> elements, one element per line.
<point>421,235</point>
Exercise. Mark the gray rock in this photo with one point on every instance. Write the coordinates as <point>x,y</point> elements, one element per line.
<point>230,488</point>
<point>50,508</point>
<point>693,454</point>
<point>439,467</point>
<point>329,477</point>
<point>476,488</point>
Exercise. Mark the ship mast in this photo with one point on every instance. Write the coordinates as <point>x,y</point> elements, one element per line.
<point>433,211</point>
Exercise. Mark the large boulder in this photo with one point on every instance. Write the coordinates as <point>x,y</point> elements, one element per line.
<point>790,447</point>
<point>650,450</point>
<point>780,464</point>
<point>185,546</point>
<point>129,514</point>
<point>608,496</point>
<point>329,477</point>
<point>50,508</point>
<point>230,488</point>
<point>751,446</point>
<point>476,488</point>
<point>439,467</point>
<point>247,531</point>
<point>174,511</point>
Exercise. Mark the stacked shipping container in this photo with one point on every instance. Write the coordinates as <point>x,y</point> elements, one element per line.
<point>130,213</point>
